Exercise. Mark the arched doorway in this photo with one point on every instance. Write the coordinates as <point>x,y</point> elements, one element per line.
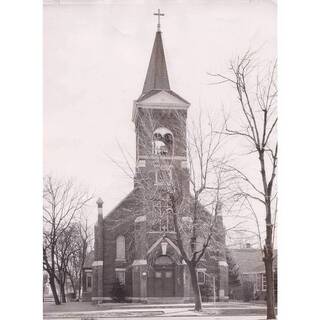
<point>163,277</point>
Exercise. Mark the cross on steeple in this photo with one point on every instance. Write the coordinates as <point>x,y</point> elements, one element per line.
<point>159,15</point>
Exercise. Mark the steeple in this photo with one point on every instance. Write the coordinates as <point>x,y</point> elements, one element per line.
<point>156,85</point>
<point>157,75</point>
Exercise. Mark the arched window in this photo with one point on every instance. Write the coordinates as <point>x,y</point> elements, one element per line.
<point>120,248</point>
<point>163,260</point>
<point>89,282</point>
<point>162,143</point>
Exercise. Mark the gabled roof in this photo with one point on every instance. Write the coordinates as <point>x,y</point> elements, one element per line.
<point>250,260</point>
<point>127,204</point>
<point>165,239</point>
<point>153,92</point>
<point>157,75</point>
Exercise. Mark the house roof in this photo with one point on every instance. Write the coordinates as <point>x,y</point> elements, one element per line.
<point>250,260</point>
<point>157,75</point>
<point>89,260</point>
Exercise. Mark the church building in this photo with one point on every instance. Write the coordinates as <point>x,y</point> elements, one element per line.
<point>136,242</point>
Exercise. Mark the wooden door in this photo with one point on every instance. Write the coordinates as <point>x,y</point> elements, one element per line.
<point>164,282</point>
<point>167,283</point>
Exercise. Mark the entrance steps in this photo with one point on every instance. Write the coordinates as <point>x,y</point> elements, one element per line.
<point>48,299</point>
<point>166,300</point>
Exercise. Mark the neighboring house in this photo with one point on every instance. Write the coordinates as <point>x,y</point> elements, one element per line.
<point>47,293</point>
<point>87,277</point>
<point>251,268</point>
<point>45,284</point>
<point>134,243</point>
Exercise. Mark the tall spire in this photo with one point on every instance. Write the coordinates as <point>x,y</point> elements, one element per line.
<point>157,75</point>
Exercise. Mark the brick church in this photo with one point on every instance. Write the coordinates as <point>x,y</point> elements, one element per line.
<point>136,242</point>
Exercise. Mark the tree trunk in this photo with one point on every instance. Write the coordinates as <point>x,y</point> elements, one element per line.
<point>54,290</point>
<point>63,295</point>
<point>80,284</point>
<point>191,264</point>
<point>268,248</point>
<point>62,292</point>
<point>268,262</point>
<point>196,289</point>
<point>74,289</point>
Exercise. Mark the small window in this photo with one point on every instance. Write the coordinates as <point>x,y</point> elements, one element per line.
<point>264,282</point>
<point>89,282</point>
<point>201,277</point>
<point>121,276</point>
<point>168,274</point>
<point>162,216</point>
<point>245,277</point>
<point>164,177</point>
<point>157,274</point>
<point>120,248</point>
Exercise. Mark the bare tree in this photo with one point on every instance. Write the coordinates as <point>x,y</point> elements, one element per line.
<point>78,256</point>
<point>62,203</point>
<point>66,247</point>
<point>257,102</point>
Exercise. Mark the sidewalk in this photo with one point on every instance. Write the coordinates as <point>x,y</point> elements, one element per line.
<point>165,313</point>
<point>106,311</point>
<point>88,306</point>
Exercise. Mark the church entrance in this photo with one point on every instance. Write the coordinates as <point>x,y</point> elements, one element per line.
<point>163,280</point>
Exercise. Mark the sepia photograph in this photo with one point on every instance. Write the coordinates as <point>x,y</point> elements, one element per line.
<point>160,159</point>
<point>141,175</point>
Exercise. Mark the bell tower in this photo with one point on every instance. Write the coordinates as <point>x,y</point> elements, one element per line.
<point>160,117</point>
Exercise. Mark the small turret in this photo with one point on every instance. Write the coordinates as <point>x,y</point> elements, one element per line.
<point>100,203</point>
<point>219,223</point>
<point>98,247</point>
<point>100,210</point>
<point>98,253</point>
<point>222,261</point>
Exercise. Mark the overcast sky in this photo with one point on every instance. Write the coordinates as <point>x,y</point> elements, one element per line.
<point>95,60</point>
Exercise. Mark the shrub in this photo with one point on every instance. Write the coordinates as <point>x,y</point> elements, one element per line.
<point>206,292</point>
<point>247,291</point>
<point>118,292</point>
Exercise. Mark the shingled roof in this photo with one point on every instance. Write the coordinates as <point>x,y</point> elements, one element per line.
<point>157,79</point>
<point>249,260</point>
<point>157,75</point>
